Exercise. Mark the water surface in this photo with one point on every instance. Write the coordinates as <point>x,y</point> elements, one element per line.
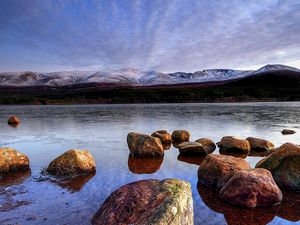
<point>47,131</point>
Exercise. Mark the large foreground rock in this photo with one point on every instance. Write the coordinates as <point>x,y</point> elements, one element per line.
<point>11,161</point>
<point>216,170</point>
<point>257,144</point>
<point>251,188</point>
<point>234,144</point>
<point>163,135</point>
<point>179,136</point>
<point>148,202</point>
<point>284,164</point>
<point>143,145</point>
<point>208,144</point>
<point>72,162</point>
<point>191,148</point>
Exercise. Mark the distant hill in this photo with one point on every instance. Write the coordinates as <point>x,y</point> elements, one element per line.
<point>270,83</point>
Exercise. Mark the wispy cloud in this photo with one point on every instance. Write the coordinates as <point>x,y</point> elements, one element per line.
<point>177,35</point>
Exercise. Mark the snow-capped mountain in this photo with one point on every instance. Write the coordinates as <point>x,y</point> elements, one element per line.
<point>131,77</point>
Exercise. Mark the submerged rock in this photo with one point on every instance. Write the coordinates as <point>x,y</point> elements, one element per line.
<point>216,170</point>
<point>257,144</point>
<point>287,131</point>
<point>144,165</point>
<point>73,162</point>
<point>284,164</point>
<point>13,120</point>
<point>163,135</point>
<point>251,188</point>
<point>234,144</point>
<point>208,144</point>
<point>148,202</point>
<point>191,148</point>
<point>143,145</point>
<point>179,136</point>
<point>12,161</point>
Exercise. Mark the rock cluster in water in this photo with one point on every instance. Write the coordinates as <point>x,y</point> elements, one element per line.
<point>229,173</point>
<point>170,201</point>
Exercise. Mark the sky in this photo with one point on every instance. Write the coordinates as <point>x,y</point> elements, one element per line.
<point>161,35</point>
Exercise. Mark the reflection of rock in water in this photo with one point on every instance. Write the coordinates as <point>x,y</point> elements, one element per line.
<point>166,146</point>
<point>14,178</point>
<point>258,153</point>
<point>14,125</point>
<point>290,206</point>
<point>11,192</point>
<point>74,184</point>
<point>233,214</point>
<point>144,165</point>
<point>197,159</point>
<point>235,154</point>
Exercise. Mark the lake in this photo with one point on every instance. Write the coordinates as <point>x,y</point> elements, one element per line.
<point>46,132</point>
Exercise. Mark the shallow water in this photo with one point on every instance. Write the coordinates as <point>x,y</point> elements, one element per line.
<point>47,131</point>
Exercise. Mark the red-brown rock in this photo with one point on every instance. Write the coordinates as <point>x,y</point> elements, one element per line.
<point>11,161</point>
<point>148,202</point>
<point>251,188</point>
<point>208,144</point>
<point>257,144</point>
<point>13,120</point>
<point>191,148</point>
<point>72,162</point>
<point>163,135</point>
<point>284,164</point>
<point>179,136</point>
<point>143,145</point>
<point>216,170</point>
<point>234,144</point>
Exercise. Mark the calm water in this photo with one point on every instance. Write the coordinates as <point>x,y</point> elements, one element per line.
<point>47,131</point>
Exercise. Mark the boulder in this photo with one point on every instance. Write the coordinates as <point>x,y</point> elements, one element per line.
<point>235,215</point>
<point>12,161</point>
<point>143,145</point>
<point>72,163</point>
<point>180,136</point>
<point>257,144</point>
<point>163,135</point>
<point>216,170</point>
<point>284,164</point>
<point>148,202</point>
<point>13,120</point>
<point>251,188</point>
<point>208,144</point>
<point>144,165</point>
<point>287,131</point>
<point>191,148</point>
<point>234,144</point>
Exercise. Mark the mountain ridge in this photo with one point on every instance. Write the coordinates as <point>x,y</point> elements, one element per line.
<point>132,77</point>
